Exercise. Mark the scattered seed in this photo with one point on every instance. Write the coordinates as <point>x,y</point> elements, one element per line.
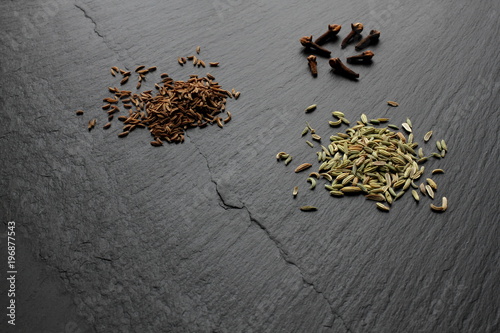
<point>429,191</point>
<point>438,145</point>
<point>335,123</point>
<point>303,167</point>
<point>338,114</point>
<point>123,134</point>
<point>237,95</point>
<point>124,80</point>
<point>406,127</point>
<point>382,207</point>
<point>312,181</point>
<point>219,122</point>
<point>295,191</point>
<point>92,124</point>
<point>310,144</point>
<point>308,208</point>
<point>415,195</point>
<point>427,136</point>
<point>288,159</point>
<point>392,103</point>
<point>79,112</point>
<point>311,108</point>
<point>437,171</point>
<point>213,64</point>
<point>108,125</point>
<point>316,137</point>
<point>364,119</point>
<point>393,126</point>
<point>443,145</point>
<point>432,183</point>
<point>112,72</point>
<point>198,48</point>
<point>179,60</point>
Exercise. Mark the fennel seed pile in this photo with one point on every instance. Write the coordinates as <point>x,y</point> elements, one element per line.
<point>380,163</point>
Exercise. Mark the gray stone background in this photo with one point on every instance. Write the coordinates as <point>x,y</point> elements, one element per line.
<point>115,235</point>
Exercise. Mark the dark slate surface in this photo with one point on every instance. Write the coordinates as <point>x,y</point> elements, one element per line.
<point>119,236</point>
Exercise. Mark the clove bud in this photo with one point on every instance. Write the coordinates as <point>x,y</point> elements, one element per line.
<point>356,30</point>
<point>313,65</point>
<point>342,69</point>
<point>307,42</point>
<point>333,30</point>
<point>372,38</point>
<point>364,57</point>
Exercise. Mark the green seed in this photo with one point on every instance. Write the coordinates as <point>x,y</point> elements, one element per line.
<point>338,114</point>
<point>408,121</point>
<point>305,130</point>
<point>438,145</point>
<point>335,123</point>
<point>393,126</point>
<point>337,193</point>
<point>415,195</point>
<point>312,181</point>
<point>308,208</point>
<point>406,127</point>
<point>443,145</point>
<point>310,144</point>
<point>427,136</point>
<point>288,160</point>
<point>311,108</point>
<point>364,119</point>
<point>382,207</point>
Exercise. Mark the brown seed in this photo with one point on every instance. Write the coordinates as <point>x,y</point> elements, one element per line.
<point>219,122</point>
<point>228,117</point>
<point>198,48</point>
<point>303,167</point>
<point>213,64</point>
<point>152,69</point>
<point>92,124</point>
<point>156,143</point>
<point>139,68</point>
<point>123,134</point>
<point>138,86</point>
<point>295,191</point>
<point>210,76</point>
<point>163,75</point>
<point>392,103</point>
<point>237,95</point>
<point>106,106</point>
<point>108,125</point>
<point>124,80</point>
<point>179,60</point>
<point>202,63</point>
<point>79,112</point>
<point>313,65</point>
<point>112,72</point>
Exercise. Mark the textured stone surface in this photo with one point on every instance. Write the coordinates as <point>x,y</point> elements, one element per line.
<point>119,236</point>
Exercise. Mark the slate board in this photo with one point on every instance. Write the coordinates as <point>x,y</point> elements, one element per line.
<point>205,236</point>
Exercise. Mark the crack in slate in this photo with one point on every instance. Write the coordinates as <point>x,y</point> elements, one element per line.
<point>92,20</point>
<point>117,54</point>
<point>283,253</point>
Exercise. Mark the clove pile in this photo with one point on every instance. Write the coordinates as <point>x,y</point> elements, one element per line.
<point>316,46</point>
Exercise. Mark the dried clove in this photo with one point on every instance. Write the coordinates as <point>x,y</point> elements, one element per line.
<point>333,30</point>
<point>372,38</point>
<point>364,57</point>
<point>313,65</point>
<point>356,30</point>
<point>342,69</point>
<point>307,42</point>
